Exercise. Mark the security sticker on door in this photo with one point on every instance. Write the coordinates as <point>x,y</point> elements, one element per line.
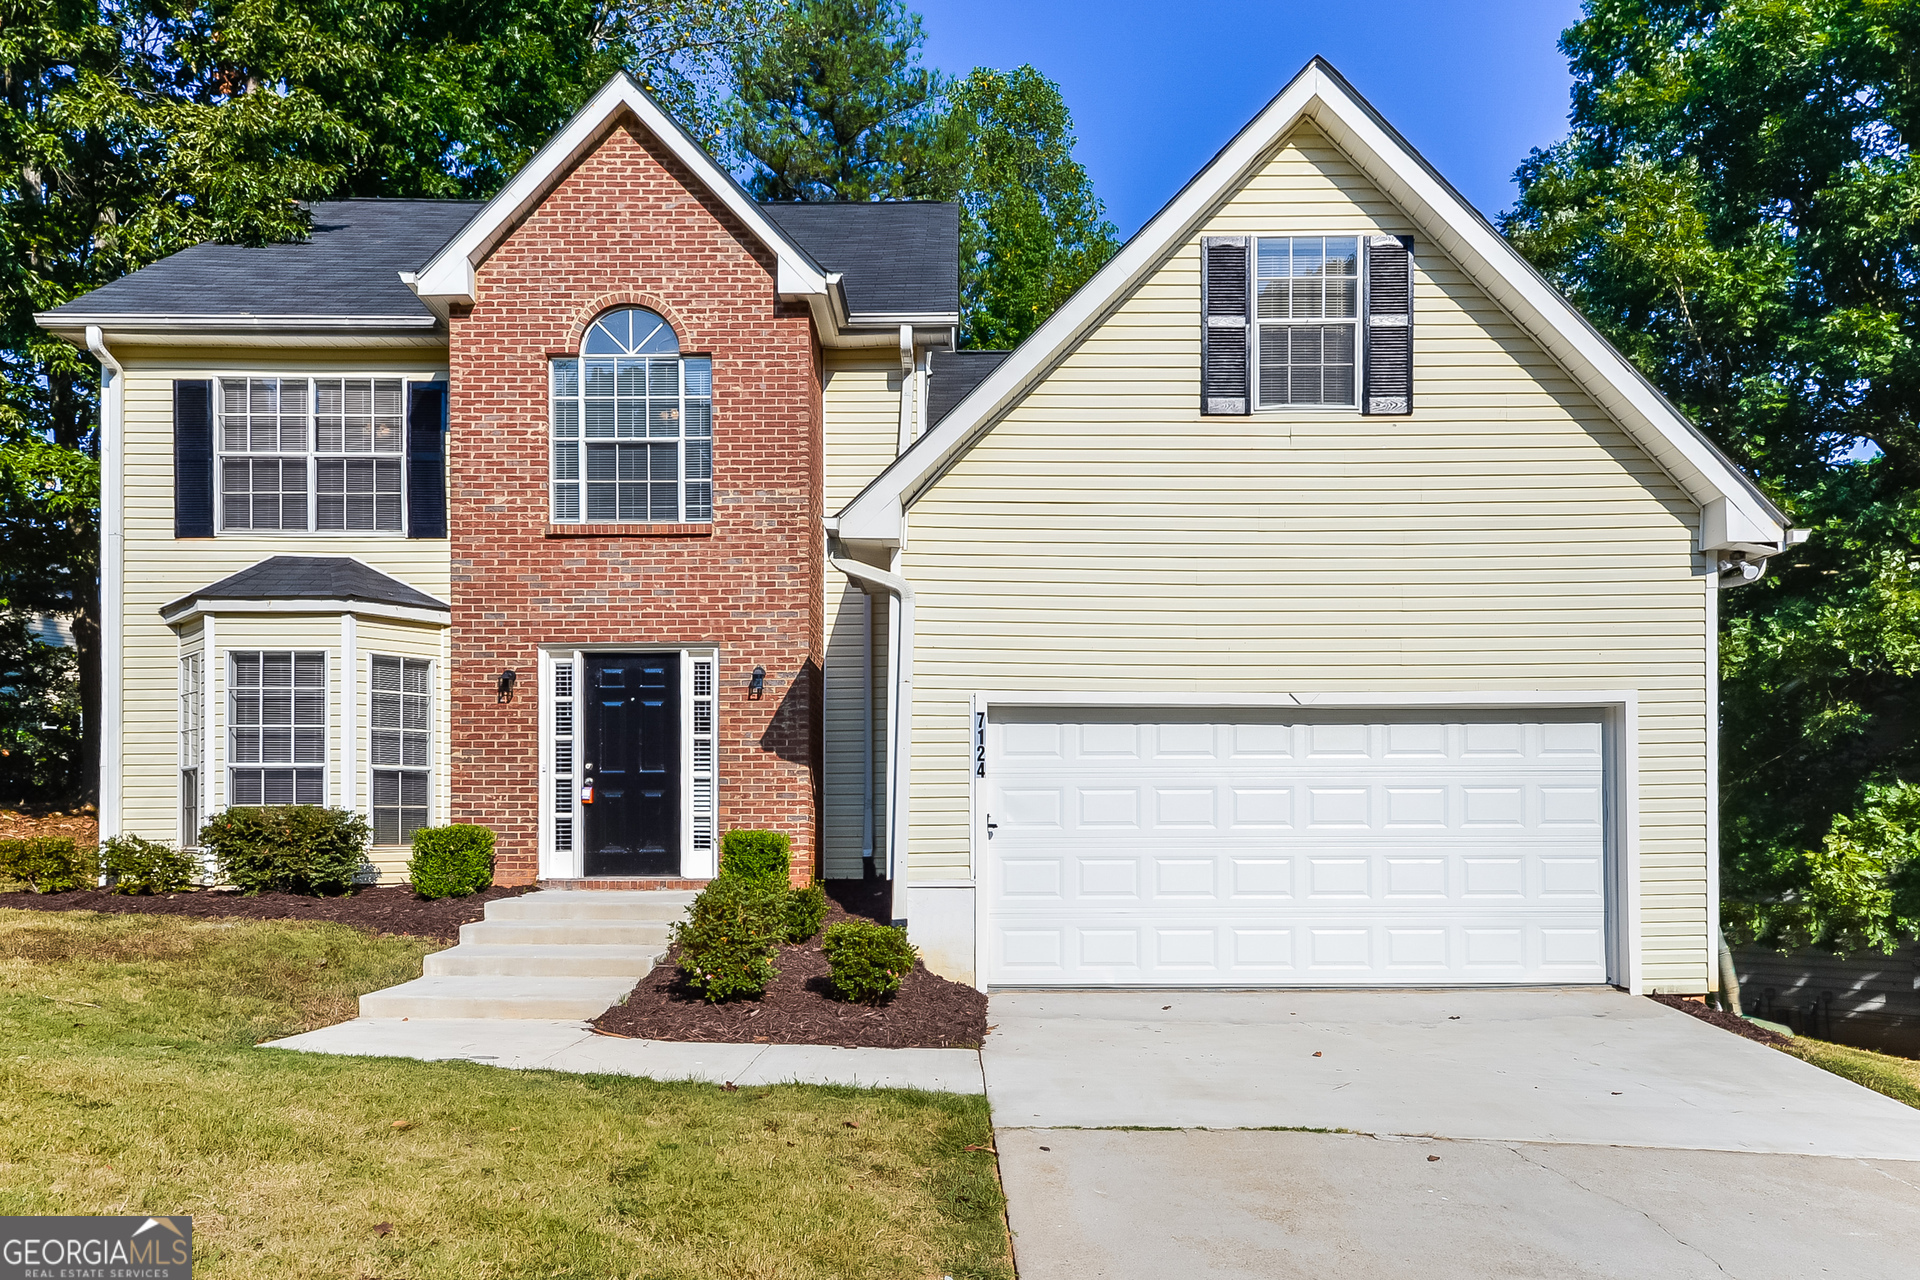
<point>586,793</point>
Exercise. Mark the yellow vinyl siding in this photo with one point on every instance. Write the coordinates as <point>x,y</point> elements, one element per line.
<point>159,569</point>
<point>861,405</point>
<point>1508,535</point>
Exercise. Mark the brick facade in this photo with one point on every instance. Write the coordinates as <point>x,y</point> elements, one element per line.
<point>629,226</point>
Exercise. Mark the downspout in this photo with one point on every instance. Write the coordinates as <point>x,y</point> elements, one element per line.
<point>866,735</point>
<point>900,716</point>
<point>909,393</point>
<point>113,396</point>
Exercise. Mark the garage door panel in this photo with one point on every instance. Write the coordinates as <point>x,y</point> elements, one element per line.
<point>1351,850</point>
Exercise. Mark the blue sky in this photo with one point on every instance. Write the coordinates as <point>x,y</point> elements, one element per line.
<point>1155,89</point>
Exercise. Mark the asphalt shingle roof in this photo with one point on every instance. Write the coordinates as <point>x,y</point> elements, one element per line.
<point>311,578</point>
<point>954,374</point>
<point>348,266</point>
<point>895,257</point>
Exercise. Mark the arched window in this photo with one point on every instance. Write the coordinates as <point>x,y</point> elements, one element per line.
<point>632,426</point>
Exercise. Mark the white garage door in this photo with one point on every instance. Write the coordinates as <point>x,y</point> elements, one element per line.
<point>1140,848</point>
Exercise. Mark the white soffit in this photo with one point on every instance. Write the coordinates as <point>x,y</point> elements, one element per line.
<point>448,276</point>
<point>1319,95</point>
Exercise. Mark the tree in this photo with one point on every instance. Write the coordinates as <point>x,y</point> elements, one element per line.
<point>1736,207</point>
<point>131,130</point>
<point>834,105</point>
<point>39,715</point>
<point>1032,231</point>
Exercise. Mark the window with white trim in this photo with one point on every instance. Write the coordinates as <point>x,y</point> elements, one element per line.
<point>192,714</point>
<point>1307,309</point>
<point>401,722</point>
<point>312,454</point>
<point>277,727</point>
<point>632,426</point>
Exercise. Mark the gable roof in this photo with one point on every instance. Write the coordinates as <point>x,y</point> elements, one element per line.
<point>448,276</point>
<point>896,258</point>
<point>345,274</point>
<point>1735,514</point>
<point>954,375</point>
<point>332,579</point>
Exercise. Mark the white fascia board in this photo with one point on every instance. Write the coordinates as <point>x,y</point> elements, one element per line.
<point>200,608</point>
<point>1442,216</point>
<point>144,322</point>
<point>449,274</point>
<point>1445,699</point>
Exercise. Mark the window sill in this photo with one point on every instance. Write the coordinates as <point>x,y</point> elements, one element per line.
<point>630,531</point>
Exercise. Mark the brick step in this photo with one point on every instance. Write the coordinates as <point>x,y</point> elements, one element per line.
<point>530,961</point>
<point>496,996</point>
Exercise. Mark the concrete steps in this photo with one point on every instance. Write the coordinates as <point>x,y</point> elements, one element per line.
<point>564,955</point>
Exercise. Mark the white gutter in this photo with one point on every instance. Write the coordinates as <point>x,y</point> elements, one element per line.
<point>900,717</point>
<point>866,733</point>
<point>113,398</point>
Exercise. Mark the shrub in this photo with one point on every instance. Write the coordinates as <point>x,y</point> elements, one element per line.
<point>728,939</point>
<point>806,908</point>
<point>868,959</point>
<point>763,856</point>
<point>135,865</point>
<point>294,848</point>
<point>451,862</point>
<point>50,864</point>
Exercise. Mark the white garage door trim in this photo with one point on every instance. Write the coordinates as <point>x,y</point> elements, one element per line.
<point>1617,710</point>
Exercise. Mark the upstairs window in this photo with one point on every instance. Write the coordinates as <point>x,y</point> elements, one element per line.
<point>632,426</point>
<point>1307,314</point>
<point>311,454</point>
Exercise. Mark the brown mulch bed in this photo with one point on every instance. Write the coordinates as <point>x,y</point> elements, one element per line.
<point>928,1012</point>
<point>377,909</point>
<point>1724,1020</point>
<point>31,823</point>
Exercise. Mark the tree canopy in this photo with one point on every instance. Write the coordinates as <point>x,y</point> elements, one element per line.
<point>835,105</point>
<point>1736,207</point>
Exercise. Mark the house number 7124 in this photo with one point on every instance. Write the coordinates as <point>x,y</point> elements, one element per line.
<point>979,744</point>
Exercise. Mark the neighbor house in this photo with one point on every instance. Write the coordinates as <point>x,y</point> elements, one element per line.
<point>1315,598</point>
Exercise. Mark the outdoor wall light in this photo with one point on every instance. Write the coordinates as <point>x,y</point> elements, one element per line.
<point>508,679</point>
<point>757,687</point>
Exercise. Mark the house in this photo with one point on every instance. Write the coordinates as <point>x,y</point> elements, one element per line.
<point>1315,598</point>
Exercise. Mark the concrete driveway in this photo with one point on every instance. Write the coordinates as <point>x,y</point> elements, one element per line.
<point>1577,1133</point>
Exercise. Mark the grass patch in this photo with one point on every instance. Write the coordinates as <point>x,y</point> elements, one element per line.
<point>129,1085</point>
<point>1898,1078</point>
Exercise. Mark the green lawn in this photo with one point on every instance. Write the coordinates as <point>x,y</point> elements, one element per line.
<point>129,1084</point>
<point>1898,1078</point>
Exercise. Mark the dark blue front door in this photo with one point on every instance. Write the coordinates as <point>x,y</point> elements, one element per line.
<point>632,765</point>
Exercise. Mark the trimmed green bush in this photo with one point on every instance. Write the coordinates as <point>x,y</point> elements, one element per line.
<point>134,865</point>
<point>292,848</point>
<point>728,940</point>
<point>451,862</point>
<point>763,856</point>
<point>50,864</point>
<point>806,908</point>
<point>868,959</point>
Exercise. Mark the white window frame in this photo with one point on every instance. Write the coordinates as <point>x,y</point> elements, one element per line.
<point>576,444</point>
<point>429,769</point>
<point>700,778</point>
<point>324,765</point>
<point>313,455</point>
<point>193,745</point>
<point>1356,322</point>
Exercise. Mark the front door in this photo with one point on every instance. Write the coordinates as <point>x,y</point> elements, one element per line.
<point>631,768</point>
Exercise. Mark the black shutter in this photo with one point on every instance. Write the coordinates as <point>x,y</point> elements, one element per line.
<point>193,458</point>
<point>1225,299</point>
<point>427,460</point>
<point>1389,325</point>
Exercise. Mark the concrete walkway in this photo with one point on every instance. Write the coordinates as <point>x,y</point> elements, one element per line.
<point>528,1044</point>
<point>1495,1133</point>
